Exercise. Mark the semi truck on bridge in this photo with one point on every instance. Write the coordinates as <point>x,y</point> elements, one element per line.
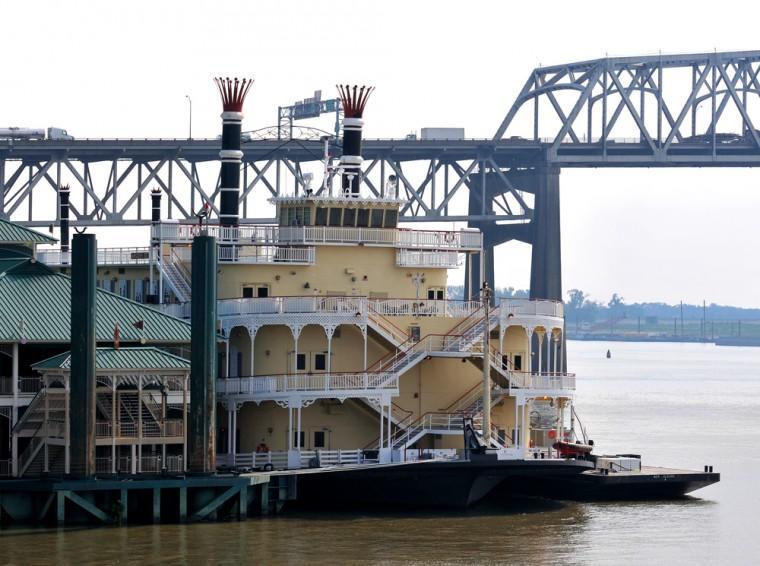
<point>51,133</point>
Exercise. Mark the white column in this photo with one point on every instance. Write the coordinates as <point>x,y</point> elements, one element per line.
<point>548,351</point>
<point>229,357</point>
<point>390,414</point>
<point>298,432</point>
<point>234,429</point>
<point>540,344</point>
<point>329,331</point>
<point>515,439</point>
<point>555,339</point>
<point>229,431</point>
<point>382,428</point>
<point>252,333</point>
<point>364,332</point>
<point>14,409</point>
<point>290,427</point>
<point>529,367</point>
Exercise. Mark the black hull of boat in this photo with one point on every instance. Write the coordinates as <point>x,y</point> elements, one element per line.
<point>650,484</point>
<point>423,484</point>
<point>463,483</point>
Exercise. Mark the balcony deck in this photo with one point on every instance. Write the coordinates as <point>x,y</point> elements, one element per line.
<point>265,235</point>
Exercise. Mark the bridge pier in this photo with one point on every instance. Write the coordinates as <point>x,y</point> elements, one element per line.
<point>542,232</point>
<point>546,259</point>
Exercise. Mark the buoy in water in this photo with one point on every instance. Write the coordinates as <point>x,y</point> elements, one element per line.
<point>609,354</point>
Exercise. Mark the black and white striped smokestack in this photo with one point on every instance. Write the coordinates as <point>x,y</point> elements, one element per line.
<point>354,99</point>
<point>64,193</point>
<point>233,92</point>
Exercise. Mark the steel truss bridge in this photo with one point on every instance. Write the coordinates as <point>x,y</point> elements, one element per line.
<point>694,110</point>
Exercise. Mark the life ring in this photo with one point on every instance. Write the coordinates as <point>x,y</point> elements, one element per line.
<point>552,434</point>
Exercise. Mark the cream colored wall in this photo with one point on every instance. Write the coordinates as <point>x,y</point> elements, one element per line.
<point>329,275</point>
<point>346,425</point>
<point>273,353</point>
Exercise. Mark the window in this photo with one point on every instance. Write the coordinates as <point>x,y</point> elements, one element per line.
<point>335,214</point>
<point>299,436</point>
<point>377,218</point>
<point>391,218</point>
<point>414,333</point>
<point>349,217</point>
<point>255,290</point>
<point>297,216</point>
<point>320,361</point>
<point>319,439</point>
<point>435,293</point>
<point>362,219</point>
<point>321,218</point>
<point>301,362</point>
<point>518,362</point>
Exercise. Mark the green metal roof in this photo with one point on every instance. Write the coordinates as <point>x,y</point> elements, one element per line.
<point>12,233</point>
<point>35,306</point>
<point>111,359</point>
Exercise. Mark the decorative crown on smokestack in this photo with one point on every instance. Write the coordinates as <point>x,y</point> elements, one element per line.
<point>233,93</point>
<point>354,99</point>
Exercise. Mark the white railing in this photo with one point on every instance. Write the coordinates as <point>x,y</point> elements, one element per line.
<point>418,258</point>
<point>257,254</point>
<point>106,256</point>
<point>178,310</point>
<point>432,423</point>
<point>103,430</point>
<point>279,460</point>
<point>433,344</point>
<point>26,385</point>
<point>254,460</point>
<point>531,307</point>
<point>424,307</point>
<point>324,235</point>
<point>553,381</point>
<point>314,383</point>
<point>350,306</point>
<point>148,464</point>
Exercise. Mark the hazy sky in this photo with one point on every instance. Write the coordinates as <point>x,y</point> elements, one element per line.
<point>123,69</point>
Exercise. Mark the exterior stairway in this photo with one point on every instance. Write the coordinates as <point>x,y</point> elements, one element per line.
<point>177,277</point>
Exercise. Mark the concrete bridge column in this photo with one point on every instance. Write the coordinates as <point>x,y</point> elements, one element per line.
<point>546,261</point>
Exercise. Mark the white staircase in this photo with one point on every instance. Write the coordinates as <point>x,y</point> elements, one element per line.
<point>176,276</point>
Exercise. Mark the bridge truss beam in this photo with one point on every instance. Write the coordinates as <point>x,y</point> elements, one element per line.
<point>654,101</point>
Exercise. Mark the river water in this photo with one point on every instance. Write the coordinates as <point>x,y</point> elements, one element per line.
<point>680,405</point>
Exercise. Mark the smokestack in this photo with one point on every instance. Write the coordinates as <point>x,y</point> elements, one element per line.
<point>233,92</point>
<point>155,211</point>
<point>82,385</point>
<point>354,99</point>
<point>203,363</point>
<point>63,193</point>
